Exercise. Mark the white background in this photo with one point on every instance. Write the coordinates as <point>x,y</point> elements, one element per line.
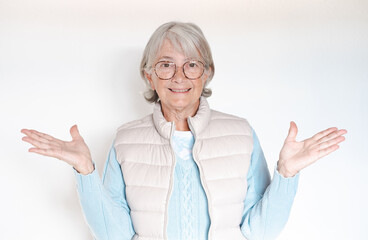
<point>75,61</point>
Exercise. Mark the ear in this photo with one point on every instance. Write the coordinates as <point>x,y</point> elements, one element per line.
<point>209,71</point>
<point>149,78</point>
<point>206,74</point>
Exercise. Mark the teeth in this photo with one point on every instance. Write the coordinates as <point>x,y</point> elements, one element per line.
<point>180,90</point>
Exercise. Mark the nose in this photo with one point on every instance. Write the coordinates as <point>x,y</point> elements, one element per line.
<point>179,75</point>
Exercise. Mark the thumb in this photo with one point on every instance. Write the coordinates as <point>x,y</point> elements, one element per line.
<point>293,131</point>
<point>74,132</point>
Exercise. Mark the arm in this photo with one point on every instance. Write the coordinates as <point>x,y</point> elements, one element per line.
<point>268,203</point>
<point>104,203</point>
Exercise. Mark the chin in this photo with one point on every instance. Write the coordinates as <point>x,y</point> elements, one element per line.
<point>182,103</point>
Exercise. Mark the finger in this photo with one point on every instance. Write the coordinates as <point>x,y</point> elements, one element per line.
<point>327,151</point>
<point>293,131</point>
<point>37,135</point>
<point>26,132</point>
<point>45,152</point>
<point>35,142</point>
<point>323,133</point>
<point>331,142</point>
<point>333,135</point>
<point>75,133</point>
<point>34,135</point>
<point>44,135</point>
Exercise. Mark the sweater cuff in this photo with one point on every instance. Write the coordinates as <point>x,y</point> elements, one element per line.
<point>89,182</point>
<point>286,186</point>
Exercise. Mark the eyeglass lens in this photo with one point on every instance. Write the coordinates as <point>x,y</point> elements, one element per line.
<point>166,69</point>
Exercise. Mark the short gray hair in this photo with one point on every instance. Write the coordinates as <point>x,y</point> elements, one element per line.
<point>185,37</point>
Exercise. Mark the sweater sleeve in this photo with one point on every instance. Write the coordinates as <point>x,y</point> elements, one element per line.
<point>268,203</point>
<point>104,203</point>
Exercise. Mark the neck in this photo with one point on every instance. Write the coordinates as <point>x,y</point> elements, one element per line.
<point>179,115</point>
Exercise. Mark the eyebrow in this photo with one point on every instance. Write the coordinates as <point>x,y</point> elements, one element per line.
<point>167,57</point>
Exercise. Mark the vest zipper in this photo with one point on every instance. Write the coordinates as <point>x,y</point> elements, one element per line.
<point>171,180</point>
<point>200,175</point>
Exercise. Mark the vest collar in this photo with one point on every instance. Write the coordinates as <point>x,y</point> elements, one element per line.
<point>196,123</point>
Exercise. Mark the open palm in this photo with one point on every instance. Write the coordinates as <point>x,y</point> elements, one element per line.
<point>75,152</point>
<point>295,156</point>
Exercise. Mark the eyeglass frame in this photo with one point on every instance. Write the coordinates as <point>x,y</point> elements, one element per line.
<point>176,69</point>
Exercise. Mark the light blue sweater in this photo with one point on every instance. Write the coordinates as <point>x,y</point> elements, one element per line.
<point>266,207</point>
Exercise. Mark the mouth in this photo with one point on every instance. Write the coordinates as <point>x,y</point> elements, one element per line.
<point>180,90</point>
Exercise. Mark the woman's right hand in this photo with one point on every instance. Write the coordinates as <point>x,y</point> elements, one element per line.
<point>76,152</point>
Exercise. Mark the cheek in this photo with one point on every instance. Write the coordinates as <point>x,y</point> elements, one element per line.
<point>202,83</point>
<point>159,85</point>
<point>204,78</point>
<point>156,84</point>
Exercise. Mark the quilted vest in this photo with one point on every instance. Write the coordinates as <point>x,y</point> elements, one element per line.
<point>222,151</point>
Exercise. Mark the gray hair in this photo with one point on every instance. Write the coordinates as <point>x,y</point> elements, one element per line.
<point>185,37</point>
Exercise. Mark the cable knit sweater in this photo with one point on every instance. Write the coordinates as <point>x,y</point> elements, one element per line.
<point>267,204</point>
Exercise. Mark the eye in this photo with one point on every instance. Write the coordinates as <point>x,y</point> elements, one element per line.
<point>193,65</point>
<point>165,64</point>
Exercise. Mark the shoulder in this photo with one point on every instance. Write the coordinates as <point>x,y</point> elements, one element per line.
<point>140,130</point>
<point>136,124</point>
<point>225,118</point>
<point>225,124</point>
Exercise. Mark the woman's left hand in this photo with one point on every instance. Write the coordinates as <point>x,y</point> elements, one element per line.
<point>295,156</point>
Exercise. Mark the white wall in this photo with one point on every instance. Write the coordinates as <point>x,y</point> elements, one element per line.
<point>74,61</point>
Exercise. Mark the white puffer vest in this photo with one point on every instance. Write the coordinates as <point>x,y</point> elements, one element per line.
<point>222,151</point>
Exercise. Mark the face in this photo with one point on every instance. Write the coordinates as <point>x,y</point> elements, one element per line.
<point>178,93</point>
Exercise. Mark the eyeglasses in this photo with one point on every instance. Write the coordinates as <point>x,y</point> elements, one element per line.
<point>166,70</point>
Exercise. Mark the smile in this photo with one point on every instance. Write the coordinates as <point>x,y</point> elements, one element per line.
<point>179,90</point>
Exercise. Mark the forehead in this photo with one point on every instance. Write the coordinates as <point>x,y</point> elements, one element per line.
<point>175,51</point>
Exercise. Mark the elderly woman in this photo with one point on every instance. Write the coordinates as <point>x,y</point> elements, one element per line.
<point>185,171</point>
